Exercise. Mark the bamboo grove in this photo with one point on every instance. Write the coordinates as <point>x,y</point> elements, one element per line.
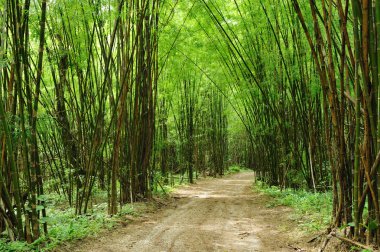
<point>81,82</point>
<point>309,72</point>
<point>125,97</point>
<point>82,111</point>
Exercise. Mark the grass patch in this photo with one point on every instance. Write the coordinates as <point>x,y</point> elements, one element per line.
<point>65,226</point>
<point>312,211</point>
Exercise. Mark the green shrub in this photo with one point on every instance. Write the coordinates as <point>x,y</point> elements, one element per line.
<point>235,169</point>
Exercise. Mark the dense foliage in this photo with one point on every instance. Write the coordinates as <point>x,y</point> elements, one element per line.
<point>126,97</point>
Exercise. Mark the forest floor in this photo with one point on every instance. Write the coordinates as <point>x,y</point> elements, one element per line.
<point>212,215</point>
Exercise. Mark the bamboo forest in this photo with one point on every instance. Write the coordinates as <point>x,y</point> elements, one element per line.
<point>198,125</point>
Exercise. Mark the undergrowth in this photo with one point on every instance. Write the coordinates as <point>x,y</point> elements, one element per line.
<point>162,189</point>
<point>312,211</point>
<point>64,226</point>
<point>235,169</point>
<point>68,226</point>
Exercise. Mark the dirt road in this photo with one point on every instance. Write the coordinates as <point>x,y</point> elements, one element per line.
<point>212,215</point>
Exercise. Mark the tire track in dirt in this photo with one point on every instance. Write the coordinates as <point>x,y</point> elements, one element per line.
<point>211,215</point>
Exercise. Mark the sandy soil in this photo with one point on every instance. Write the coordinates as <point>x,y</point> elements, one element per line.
<point>212,215</point>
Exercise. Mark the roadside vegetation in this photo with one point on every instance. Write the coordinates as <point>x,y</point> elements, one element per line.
<point>312,211</point>
<point>65,226</point>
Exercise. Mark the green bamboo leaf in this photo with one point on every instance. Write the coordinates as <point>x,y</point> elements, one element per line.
<point>40,207</point>
<point>351,224</point>
<point>42,197</point>
<point>372,225</point>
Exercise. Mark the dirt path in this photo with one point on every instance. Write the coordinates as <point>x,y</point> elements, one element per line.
<point>212,215</point>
